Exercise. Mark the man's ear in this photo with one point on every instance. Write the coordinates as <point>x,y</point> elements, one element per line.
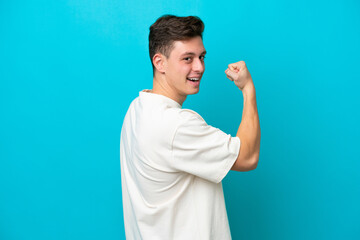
<point>159,62</point>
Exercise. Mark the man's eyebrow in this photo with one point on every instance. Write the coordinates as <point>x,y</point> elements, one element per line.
<point>192,53</point>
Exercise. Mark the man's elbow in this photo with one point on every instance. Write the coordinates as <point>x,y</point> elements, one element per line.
<point>244,165</point>
<point>255,158</point>
<point>254,162</point>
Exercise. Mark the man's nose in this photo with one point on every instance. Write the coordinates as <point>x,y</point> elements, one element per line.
<point>198,66</point>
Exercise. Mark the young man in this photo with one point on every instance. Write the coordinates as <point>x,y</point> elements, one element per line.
<point>172,162</point>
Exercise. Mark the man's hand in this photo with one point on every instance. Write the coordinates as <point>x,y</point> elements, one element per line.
<point>239,74</point>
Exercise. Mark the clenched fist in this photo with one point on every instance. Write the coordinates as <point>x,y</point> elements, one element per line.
<point>239,74</point>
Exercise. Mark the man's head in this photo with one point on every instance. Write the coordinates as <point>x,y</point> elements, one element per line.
<point>177,54</point>
<point>168,29</point>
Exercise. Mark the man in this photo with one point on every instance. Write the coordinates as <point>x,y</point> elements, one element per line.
<point>172,162</point>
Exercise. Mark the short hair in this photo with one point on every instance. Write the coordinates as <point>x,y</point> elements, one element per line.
<point>170,28</point>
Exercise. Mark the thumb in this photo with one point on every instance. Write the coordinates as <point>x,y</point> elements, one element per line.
<point>230,74</point>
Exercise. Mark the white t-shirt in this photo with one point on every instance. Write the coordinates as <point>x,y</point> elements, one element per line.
<point>172,164</point>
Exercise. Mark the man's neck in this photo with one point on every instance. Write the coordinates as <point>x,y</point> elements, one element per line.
<point>160,86</point>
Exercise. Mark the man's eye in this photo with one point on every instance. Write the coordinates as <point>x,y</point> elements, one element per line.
<point>187,59</point>
<point>202,58</point>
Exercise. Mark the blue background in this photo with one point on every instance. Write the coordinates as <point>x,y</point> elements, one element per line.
<point>69,70</point>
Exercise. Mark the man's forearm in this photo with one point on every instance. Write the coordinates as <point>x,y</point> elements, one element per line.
<point>249,129</point>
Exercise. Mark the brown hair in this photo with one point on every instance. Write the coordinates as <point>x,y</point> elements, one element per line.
<point>170,28</point>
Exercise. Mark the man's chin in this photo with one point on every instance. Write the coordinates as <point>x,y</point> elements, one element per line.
<point>194,92</point>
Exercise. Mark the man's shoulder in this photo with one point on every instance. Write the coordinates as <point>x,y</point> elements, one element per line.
<point>161,117</point>
<point>188,114</point>
<point>175,117</point>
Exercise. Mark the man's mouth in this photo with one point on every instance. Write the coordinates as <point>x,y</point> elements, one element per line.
<point>193,79</point>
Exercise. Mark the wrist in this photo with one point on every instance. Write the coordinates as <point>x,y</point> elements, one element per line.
<point>248,89</point>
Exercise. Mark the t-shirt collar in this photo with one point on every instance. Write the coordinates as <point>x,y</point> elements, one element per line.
<point>169,101</point>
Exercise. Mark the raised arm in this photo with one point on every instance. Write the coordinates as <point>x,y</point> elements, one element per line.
<point>249,129</point>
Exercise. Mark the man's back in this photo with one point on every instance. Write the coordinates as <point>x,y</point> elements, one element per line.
<point>172,164</point>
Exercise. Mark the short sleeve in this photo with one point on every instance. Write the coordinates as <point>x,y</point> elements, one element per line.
<point>203,150</point>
